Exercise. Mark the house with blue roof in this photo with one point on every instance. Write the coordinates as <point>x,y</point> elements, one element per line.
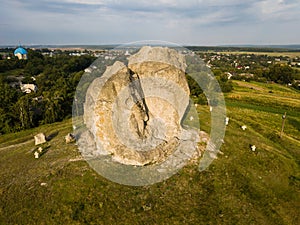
<point>21,53</point>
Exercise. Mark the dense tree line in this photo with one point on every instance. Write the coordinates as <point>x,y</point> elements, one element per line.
<point>197,92</point>
<point>14,63</point>
<point>56,78</point>
<point>282,74</point>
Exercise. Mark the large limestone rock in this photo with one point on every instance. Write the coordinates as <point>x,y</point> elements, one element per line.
<point>134,112</point>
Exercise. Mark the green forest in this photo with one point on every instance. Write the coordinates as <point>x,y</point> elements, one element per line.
<point>56,78</point>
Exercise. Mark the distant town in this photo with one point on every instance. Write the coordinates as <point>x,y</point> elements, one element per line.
<point>235,62</point>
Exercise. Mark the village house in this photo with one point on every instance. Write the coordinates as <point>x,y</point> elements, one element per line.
<point>21,53</point>
<point>28,88</point>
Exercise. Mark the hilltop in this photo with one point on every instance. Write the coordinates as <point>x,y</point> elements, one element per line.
<point>240,187</point>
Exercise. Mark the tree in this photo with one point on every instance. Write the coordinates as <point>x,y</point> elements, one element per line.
<point>195,90</point>
<point>53,107</point>
<point>7,121</point>
<point>225,84</point>
<point>25,112</point>
<point>8,95</point>
<point>282,74</point>
<point>56,78</point>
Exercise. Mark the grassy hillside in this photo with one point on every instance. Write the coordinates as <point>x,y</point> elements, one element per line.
<point>240,187</point>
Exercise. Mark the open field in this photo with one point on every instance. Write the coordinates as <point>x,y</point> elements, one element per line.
<point>240,187</point>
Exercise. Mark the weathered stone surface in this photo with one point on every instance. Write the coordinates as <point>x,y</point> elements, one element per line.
<point>69,138</point>
<point>39,139</point>
<point>134,112</point>
<point>40,149</point>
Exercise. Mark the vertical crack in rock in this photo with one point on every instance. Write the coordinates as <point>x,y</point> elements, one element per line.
<point>138,96</point>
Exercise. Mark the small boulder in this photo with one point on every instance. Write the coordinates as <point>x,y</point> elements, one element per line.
<point>253,148</point>
<point>244,127</point>
<point>36,155</point>
<point>70,138</point>
<point>226,121</point>
<point>40,138</point>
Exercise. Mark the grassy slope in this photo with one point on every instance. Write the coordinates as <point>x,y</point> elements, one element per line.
<point>241,187</point>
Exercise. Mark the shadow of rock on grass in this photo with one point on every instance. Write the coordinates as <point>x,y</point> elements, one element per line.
<point>51,136</point>
<point>41,150</point>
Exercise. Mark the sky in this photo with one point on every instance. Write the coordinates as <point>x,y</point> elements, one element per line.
<point>185,22</point>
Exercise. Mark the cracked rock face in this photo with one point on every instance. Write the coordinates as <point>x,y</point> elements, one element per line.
<point>134,112</point>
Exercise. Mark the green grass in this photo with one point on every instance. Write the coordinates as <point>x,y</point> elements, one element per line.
<point>240,187</point>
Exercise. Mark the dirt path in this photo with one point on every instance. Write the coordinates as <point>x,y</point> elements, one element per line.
<point>249,85</point>
<point>16,145</point>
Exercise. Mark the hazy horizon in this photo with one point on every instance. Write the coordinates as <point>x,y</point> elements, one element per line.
<point>194,22</point>
<point>292,47</point>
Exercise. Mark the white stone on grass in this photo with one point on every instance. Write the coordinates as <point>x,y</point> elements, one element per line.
<point>226,121</point>
<point>36,155</point>
<point>40,149</point>
<point>253,148</point>
<point>69,138</point>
